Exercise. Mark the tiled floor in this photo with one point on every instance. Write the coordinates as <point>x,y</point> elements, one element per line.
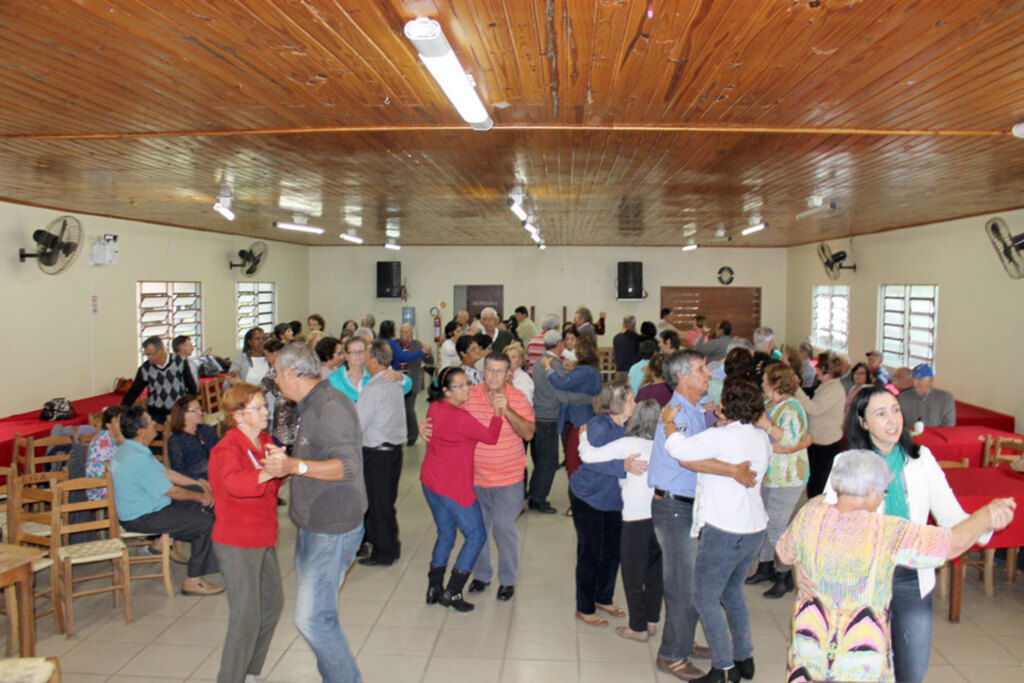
<point>534,638</point>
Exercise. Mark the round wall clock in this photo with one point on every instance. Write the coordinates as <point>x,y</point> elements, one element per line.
<point>726,275</point>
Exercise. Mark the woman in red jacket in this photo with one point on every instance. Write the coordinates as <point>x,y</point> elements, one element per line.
<point>245,532</point>
<point>447,478</point>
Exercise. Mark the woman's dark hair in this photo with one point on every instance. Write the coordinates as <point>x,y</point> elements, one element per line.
<point>463,343</point>
<point>742,400</point>
<point>483,340</point>
<point>176,421</point>
<point>648,347</point>
<point>831,364</point>
<point>320,319</point>
<point>326,347</point>
<point>387,329</point>
<point>739,363</point>
<point>273,345</point>
<point>586,351</point>
<point>568,327</point>
<point>281,328</point>
<point>443,381</point>
<point>867,373</point>
<point>449,329</point>
<point>648,330</point>
<point>296,326</point>
<point>111,413</point>
<point>859,437</point>
<point>247,341</point>
<point>350,323</point>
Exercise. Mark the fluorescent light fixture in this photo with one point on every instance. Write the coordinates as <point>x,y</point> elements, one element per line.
<point>444,66</point>
<point>531,228</point>
<point>1018,130</point>
<point>348,237</point>
<point>542,245</point>
<point>754,228</point>
<point>519,211</point>
<point>392,245</point>
<point>822,208</point>
<point>535,237</point>
<point>690,247</point>
<point>223,207</point>
<point>298,227</point>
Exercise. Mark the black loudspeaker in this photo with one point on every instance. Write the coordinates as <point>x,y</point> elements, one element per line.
<point>389,279</point>
<point>631,281</point>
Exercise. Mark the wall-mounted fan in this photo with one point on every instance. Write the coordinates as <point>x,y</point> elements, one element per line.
<point>833,262</point>
<point>1009,248</point>
<point>253,259</point>
<point>58,244</point>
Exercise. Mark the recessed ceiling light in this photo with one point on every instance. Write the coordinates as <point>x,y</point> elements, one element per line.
<point>754,228</point>
<point>349,237</point>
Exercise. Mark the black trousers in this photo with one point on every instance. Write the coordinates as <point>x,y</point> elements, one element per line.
<point>545,460</point>
<point>598,534</point>
<point>184,520</point>
<point>820,460</point>
<point>641,573</point>
<point>382,468</point>
<point>411,425</point>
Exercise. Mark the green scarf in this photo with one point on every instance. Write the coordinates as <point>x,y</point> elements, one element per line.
<point>896,498</point>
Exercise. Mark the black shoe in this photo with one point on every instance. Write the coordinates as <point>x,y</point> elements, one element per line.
<point>730,675</point>
<point>783,584</point>
<point>375,562</point>
<point>745,668</point>
<point>452,596</point>
<point>506,592</point>
<point>435,585</point>
<point>478,586</point>
<point>765,572</point>
<point>544,508</point>
<point>364,550</point>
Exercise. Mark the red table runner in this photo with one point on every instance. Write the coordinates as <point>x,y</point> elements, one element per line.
<point>976,487</point>
<point>971,415</point>
<point>957,443</point>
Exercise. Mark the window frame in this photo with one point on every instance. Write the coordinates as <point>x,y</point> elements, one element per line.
<point>254,318</point>
<point>910,324</point>
<point>176,293</point>
<point>827,341</point>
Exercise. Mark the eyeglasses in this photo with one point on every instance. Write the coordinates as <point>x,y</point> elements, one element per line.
<point>457,386</point>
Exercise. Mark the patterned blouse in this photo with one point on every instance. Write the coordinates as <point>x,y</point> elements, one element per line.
<point>101,448</point>
<point>843,634</point>
<point>788,469</point>
<point>284,421</point>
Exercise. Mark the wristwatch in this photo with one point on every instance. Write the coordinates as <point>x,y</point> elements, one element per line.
<point>303,467</point>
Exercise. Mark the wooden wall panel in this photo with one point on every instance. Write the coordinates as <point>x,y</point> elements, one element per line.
<point>741,306</point>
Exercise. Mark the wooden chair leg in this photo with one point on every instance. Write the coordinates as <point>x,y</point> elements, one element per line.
<point>68,593</point>
<point>943,581</point>
<point>126,579</point>
<point>1011,565</point>
<point>118,578</point>
<point>956,587</point>
<point>56,597</point>
<point>165,565</point>
<point>13,635</point>
<point>988,569</point>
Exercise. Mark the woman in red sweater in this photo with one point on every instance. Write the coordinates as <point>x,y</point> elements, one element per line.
<point>447,478</point>
<point>245,532</point>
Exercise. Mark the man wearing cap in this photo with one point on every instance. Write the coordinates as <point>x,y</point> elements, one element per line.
<point>879,375</point>
<point>934,407</point>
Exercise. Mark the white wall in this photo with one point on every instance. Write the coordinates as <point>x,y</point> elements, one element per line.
<point>980,319</point>
<point>343,279</point>
<point>53,345</point>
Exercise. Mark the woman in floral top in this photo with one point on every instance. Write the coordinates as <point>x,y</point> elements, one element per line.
<point>102,447</point>
<point>786,424</point>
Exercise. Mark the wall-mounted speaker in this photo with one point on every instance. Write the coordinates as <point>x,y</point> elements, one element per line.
<point>631,281</point>
<point>389,279</point>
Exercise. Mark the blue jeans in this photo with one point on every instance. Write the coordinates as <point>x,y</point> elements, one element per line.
<point>672,519</point>
<point>449,516</point>
<point>722,562</point>
<point>321,561</point>
<point>911,626</point>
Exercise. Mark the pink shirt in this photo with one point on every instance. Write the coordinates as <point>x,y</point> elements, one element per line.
<point>501,464</point>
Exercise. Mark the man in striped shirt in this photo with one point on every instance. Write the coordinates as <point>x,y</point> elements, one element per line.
<point>498,473</point>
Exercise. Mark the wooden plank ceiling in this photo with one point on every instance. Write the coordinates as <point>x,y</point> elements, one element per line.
<point>624,121</point>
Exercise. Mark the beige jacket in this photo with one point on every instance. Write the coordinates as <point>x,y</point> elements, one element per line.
<point>825,411</point>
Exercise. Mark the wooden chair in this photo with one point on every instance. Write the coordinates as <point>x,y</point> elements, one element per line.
<point>159,444</point>
<point>1005,451</point>
<point>34,528</point>
<point>606,365</point>
<point>209,396</point>
<point>7,473</point>
<point>96,420</point>
<point>111,549</point>
<point>955,465</point>
<point>30,670</point>
<point>27,455</point>
<point>141,541</point>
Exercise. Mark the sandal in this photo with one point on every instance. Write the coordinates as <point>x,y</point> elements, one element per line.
<point>682,669</point>
<point>611,610</point>
<point>592,620</point>
<point>568,512</point>
<point>627,632</point>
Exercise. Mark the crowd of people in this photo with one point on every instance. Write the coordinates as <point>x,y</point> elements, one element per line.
<point>685,472</point>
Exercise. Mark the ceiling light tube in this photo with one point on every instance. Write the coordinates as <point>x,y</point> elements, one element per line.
<point>531,228</point>
<point>1018,130</point>
<point>542,245</point>
<point>754,228</point>
<point>298,227</point>
<point>831,206</point>
<point>519,211</point>
<point>223,207</point>
<point>689,247</point>
<point>392,245</point>
<point>444,66</point>
<point>535,237</point>
<point>351,238</point>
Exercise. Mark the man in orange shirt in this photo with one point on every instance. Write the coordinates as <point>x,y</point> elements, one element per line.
<point>498,473</point>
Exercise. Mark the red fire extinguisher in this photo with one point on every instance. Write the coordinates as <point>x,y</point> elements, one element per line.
<point>437,323</point>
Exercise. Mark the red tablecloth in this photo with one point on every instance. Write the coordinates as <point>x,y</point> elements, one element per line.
<point>975,487</point>
<point>971,415</point>
<point>957,443</point>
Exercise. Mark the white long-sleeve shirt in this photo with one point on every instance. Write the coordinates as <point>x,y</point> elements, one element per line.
<point>636,494</point>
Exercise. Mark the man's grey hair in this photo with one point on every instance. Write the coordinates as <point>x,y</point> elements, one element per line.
<point>380,351</point>
<point>740,343</point>
<point>551,322</point>
<point>488,311</point>
<point>679,363</point>
<point>404,326</point>
<point>628,320</point>
<point>551,339</point>
<point>645,419</point>
<point>301,359</point>
<point>155,342</point>
<point>860,473</point>
<point>585,314</point>
<point>368,320</point>
<point>365,333</point>
<point>807,348</point>
<point>763,336</point>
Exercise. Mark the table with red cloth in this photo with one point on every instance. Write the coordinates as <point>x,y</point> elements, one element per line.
<point>975,488</point>
<point>957,443</point>
<point>972,415</point>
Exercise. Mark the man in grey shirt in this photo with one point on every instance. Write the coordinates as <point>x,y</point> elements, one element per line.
<point>934,407</point>
<point>715,349</point>
<point>328,501</point>
<point>381,408</point>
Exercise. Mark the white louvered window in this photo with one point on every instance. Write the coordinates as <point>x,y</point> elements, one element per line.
<point>254,307</point>
<point>167,310</point>
<point>830,318</point>
<point>908,320</point>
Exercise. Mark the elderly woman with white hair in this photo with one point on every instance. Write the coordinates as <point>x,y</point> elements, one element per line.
<point>840,625</point>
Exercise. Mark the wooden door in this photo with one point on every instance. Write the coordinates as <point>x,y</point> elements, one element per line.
<point>739,305</point>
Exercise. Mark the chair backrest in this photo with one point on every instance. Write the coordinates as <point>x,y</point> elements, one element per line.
<point>30,452</point>
<point>1006,451</point>
<point>606,364</point>
<point>209,396</point>
<point>955,464</point>
<point>96,420</point>
<point>8,473</point>
<point>65,508</point>
<point>159,443</point>
<point>31,499</point>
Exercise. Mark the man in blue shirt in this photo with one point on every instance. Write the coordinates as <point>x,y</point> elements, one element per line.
<point>686,373</point>
<point>153,499</point>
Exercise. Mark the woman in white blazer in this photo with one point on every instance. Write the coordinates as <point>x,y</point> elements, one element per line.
<point>918,489</point>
